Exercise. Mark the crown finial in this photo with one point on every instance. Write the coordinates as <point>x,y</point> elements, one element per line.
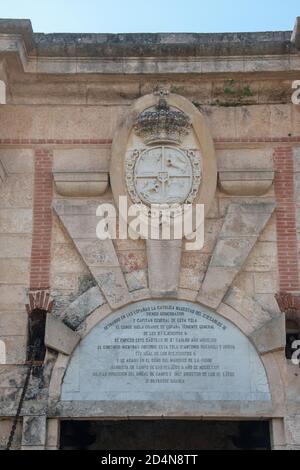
<point>161,123</point>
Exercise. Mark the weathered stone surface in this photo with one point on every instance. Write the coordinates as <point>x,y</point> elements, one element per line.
<point>15,271</point>
<point>17,160</point>
<point>113,285</point>
<point>137,280</point>
<point>164,258</point>
<point>263,258</point>
<point>16,221</point>
<point>79,310</point>
<point>246,220</point>
<point>266,283</point>
<point>97,252</point>
<point>60,337</point>
<point>242,227</point>
<point>17,246</point>
<point>292,424</point>
<point>271,336</point>
<point>5,429</point>
<point>251,310</point>
<point>34,431</point>
<point>17,192</point>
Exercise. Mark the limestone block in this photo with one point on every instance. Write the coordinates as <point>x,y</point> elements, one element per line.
<point>15,271</point>
<point>295,39</point>
<point>112,283</point>
<point>5,429</point>
<point>81,159</point>
<point>230,252</point>
<point>15,246</point>
<point>266,283</point>
<point>281,119</point>
<point>263,258</point>
<point>16,347</point>
<point>246,220</point>
<point>12,376</point>
<point>267,302</point>
<point>84,306</point>
<point>137,280</point>
<point>271,336</point>
<point>247,306</point>
<point>80,220</point>
<point>216,283</point>
<point>66,260</point>
<point>278,434</point>
<point>292,425</point>
<point>164,257</point>
<point>242,227</point>
<point>253,121</point>
<point>190,279</point>
<point>131,261</point>
<point>16,221</point>
<point>246,159</point>
<point>53,430</point>
<point>246,183</point>
<point>68,282</point>
<point>245,282</point>
<point>12,322</point>
<point>34,431</point>
<point>97,252</point>
<point>60,337</point>
<point>12,298</point>
<point>17,160</point>
<point>17,192</point>
<point>3,174</point>
<point>81,184</point>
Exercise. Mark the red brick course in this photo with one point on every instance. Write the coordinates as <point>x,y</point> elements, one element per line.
<point>42,221</point>
<point>287,244</point>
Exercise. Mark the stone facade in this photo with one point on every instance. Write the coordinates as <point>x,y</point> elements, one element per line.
<point>66,139</point>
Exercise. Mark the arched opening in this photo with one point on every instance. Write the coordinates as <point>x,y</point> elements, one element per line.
<point>2,353</point>
<point>2,92</point>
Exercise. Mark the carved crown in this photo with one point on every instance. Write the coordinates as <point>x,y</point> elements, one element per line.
<point>162,123</point>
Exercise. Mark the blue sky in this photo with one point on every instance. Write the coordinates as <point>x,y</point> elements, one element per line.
<point>153,15</point>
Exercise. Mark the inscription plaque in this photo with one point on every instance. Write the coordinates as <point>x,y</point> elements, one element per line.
<point>165,350</point>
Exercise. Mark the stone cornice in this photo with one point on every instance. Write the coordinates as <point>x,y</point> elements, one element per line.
<point>167,53</point>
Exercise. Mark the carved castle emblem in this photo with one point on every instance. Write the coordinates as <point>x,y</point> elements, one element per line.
<point>163,173</point>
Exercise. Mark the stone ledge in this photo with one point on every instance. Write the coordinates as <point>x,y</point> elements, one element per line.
<point>246,182</point>
<point>83,184</point>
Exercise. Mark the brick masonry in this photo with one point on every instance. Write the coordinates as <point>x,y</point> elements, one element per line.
<point>42,221</point>
<point>286,220</point>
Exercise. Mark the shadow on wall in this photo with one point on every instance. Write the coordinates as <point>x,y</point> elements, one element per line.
<point>2,92</point>
<point>2,353</point>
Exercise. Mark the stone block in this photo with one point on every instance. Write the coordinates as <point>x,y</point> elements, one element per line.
<point>53,430</point>
<point>66,260</point>
<point>81,159</point>
<point>5,429</point>
<point>266,283</point>
<point>292,426</point>
<point>247,307</point>
<point>263,258</point>
<point>15,246</point>
<point>97,252</point>
<point>246,220</point>
<point>16,221</point>
<point>17,160</point>
<point>216,283</point>
<point>17,192</point>
<point>112,284</point>
<point>82,307</point>
<point>15,271</point>
<point>12,298</point>
<point>164,257</point>
<point>271,336</point>
<point>131,261</point>
<point>12,322</point>
<point>34,431</point>
<point>84,184</point>
<point>60,337</point>
<point>137,280</point>
<point>232,252</point>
